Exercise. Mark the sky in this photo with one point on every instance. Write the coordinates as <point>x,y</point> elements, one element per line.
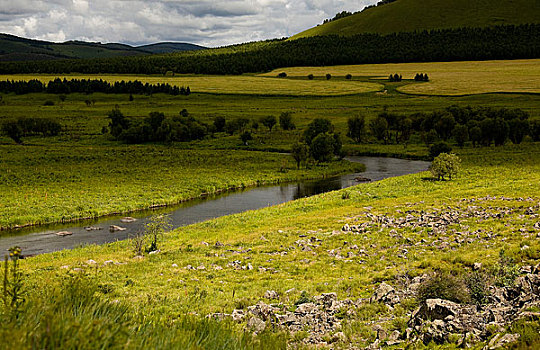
<point>137,22</point>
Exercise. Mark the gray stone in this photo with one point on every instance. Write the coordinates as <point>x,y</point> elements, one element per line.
<point>271,294</point>
<point>256,325</point>
<point>115,228</point>
<point>499,342</point>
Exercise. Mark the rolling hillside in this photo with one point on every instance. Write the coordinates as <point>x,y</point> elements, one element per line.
<point>418,15</point>
<point>13,48</point>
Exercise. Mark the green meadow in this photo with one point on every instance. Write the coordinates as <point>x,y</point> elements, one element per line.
<point>110,296</point>
<point>163,288</point>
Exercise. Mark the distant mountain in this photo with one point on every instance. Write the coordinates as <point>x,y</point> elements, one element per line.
<point>169,47</point>
<point>418,15</point>
<point>14,48</point>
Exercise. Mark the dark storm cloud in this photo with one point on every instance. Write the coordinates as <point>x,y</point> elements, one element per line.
<point>210,23</point>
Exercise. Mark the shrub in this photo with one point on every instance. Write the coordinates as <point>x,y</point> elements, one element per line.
<point>300,153</point>
<point>506,271</point>
<point>219,123</point>
<point>348,76</point>
<point>13,130</point>
<point>379,128</point>
<point>285,121</point>
<point>282,75</point>
<point>438,148</point>
<point>304,298</point>
<point>395,77</point>
<point>269,121</point>
<point>322,147</point>
<point>475,135</point>
<point>310,76</point>
<point>478,285</point>
<point>518,128</point>
<point>316,127</point>
<point>245,137</point>
<point>445,165</point>
<point>430,137</point>
<point>328,76</point>
<point>48,103</point>
<point>443,285</point>
<point>357,128</point>
<point>158,225</point>
<point>461,134</point>
<point>12,281</point>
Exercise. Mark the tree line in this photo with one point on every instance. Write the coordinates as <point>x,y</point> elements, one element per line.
<point>483,126</point>
<point>88,86</point>
<point>498,42</point>
<point>18,128</point>
<point>155,128</point>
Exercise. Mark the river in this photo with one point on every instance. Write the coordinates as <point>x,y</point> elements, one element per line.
<point>44,238</point>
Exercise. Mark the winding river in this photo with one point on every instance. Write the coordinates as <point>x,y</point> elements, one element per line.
<point>44,239</point>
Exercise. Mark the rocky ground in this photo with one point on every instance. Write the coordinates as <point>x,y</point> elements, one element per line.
<point>434,320</point>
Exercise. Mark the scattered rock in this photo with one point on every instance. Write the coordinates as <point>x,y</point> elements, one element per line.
<point>499,341</point>
<point>256,325</point>
<point>114,228</point>
<point>64,233</point>
<point>386,294</point>
<point>93,228</point>
<point>271,294</point>
<point>127,220</point>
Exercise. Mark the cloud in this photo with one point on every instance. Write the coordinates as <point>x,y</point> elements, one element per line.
<point>204,22</point>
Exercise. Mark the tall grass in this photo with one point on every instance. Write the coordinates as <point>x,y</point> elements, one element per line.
<point>73,316</point>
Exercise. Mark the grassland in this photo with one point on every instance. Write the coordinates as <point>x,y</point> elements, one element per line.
<point>45,184</point>
<point>446,78</point>
<point>249,85</point>
<point>416,15</point>
<point>271,239</point>
<point>82,160</point>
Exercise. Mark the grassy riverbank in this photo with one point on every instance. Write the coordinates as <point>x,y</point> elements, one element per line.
<point>502,180</point>
<point>57,183</point>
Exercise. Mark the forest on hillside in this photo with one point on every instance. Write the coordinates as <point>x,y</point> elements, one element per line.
<point>500,42</point>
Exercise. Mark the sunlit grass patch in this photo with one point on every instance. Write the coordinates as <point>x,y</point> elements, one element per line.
<point>446,78</point>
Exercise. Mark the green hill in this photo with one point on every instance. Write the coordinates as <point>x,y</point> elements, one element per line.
<point>13,48</point>
<point>418,15</point>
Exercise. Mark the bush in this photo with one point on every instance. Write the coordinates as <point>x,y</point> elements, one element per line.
<point>443,285</point>
<point>348,76</point>
<point>13,130</point>
<point>506,271</point>
<point>316,127</point>
<point>438,148</point>
<point>282,75</point>
<point>379,128</point>
<point>300,153</point>
<point>269,121</point>
<point>285,121</point>
<point>322,147</point>
<point>48,103</point>
<point>518,128</point>
<point>310,76</point>
<point>245,137</point>
<point>461,134</point>
<point>328,76</point>
<point>219,124</point>
<point>445,165</point>
<point>357,128</point>
<point>478,285</point>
